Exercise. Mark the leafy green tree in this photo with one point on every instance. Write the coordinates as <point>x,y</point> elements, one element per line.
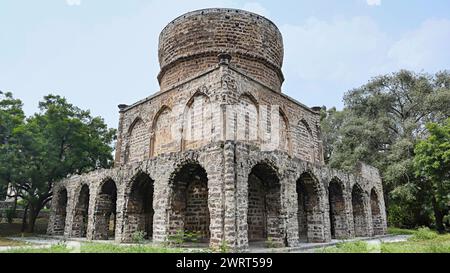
<point>58,141</point>
<point>432,162</point>
<point>11,117</point>
<point>381,123</point>
<point>331,122</point>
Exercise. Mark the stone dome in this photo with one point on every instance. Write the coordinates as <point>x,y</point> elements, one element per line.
<point>191,43</point>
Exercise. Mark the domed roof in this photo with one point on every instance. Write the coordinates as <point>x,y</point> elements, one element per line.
<point>191,43</point>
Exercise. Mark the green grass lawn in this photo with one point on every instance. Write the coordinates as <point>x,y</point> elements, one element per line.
<point>422,240</point>
<point>99,248</point>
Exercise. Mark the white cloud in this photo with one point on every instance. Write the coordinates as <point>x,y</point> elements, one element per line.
<point>425,48</point>
<point>73,2</point>
<point>373,2</point>
<point>325,58</point>
<point>256,8</point>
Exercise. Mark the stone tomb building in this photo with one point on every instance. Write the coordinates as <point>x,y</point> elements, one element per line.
<point>220,151</point>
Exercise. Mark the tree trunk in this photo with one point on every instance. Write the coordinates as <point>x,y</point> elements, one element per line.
<point>439,215</point>
<point>24,219</point>
<point>15,205</point>
<point>32,216</point>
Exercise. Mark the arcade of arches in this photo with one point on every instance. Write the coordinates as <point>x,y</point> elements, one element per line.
<point>323,210</point>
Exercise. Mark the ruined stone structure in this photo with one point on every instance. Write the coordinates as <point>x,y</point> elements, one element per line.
<point>220,151</point>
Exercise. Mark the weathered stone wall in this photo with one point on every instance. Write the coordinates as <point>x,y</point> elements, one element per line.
<point>167,119</point>
<point>190,43</point>
<point>231,203</point>
<point>223,104</point>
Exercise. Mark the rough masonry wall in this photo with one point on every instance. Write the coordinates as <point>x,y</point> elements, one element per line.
<point>165,121</point>
<point>189,45</point>
<point>284,124</point>
<point>223,104</point>
<point>229,205</point>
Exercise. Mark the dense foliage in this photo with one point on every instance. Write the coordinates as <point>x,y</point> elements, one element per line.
<point>432,165</point>
<point>381,124</point>
<point>58,141</point>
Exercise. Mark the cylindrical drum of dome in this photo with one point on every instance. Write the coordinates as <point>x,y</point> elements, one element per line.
<point>190,44</point>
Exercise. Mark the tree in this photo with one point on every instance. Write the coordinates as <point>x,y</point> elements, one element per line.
<point>432,162</point>
<point>331,122</point>
<point>11,117</point>
<point>381,123</point>
<point>58,141</point>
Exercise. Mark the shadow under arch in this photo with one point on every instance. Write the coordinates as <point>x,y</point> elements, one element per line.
<point>377,219</point>
<point>105,211</point>
<point>264,220</point>
<point>139,207</point>
<point>338,217</point>
<point>360,225</point>
<point>188,202</point>
<point>81,215</point>
<point>59,221</point>
<point>310,214</point>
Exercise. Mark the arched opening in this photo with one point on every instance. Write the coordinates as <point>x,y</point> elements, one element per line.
<point>309,212</point>
<point>359,212</point>
<point>105,211</point>
<point>59,223</point>
<point>189,211</point>
<point>264,205</point>
<point>338,218</point>
<point>80,221</point>
<point>377,220</point>
<point>139,209</point>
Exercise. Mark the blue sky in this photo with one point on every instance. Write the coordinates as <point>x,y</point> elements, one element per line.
<point>100,53</point>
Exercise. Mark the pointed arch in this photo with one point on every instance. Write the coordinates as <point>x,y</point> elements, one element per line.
<point>360,225</point>
<point>197,121</point>
<point>264,204</point>
<point>304,141</point>
<point>133,124</point>
<point>310,212</point>
<point>136,147</point>
<point>161,131</point>
<point>60,203</point>
<point>377,219</point>
<point>81,215</point>
<point>188,202</point>
<point>246,118</point>
<point>105,211</point>
<point>338,216</point>
<point>139,206</point>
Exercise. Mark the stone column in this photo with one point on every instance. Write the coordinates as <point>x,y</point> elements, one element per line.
<point>120,210</point>
<point>161,208</point>
<point>91,211</point>
<point>120,133</point>
<point>230,193</point>
<point>242,172</point>
<point>214,166</point>
<point>290,205</point>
